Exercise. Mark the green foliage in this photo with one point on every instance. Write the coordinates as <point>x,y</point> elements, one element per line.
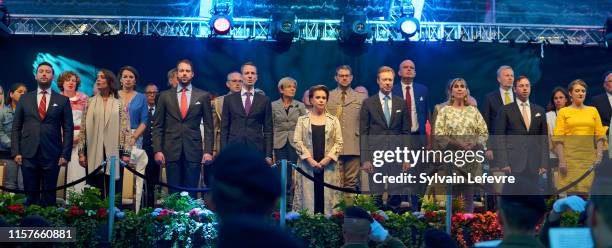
<point>403,226</point>
<point>180,202</point>
<point>317,230</point>
<point>364,201</point>
<point>570,219</point>
<point>135,230</point>
<point>90,199</point>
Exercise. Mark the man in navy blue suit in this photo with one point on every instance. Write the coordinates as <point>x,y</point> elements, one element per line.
<point>42,137</point>
<point>415,99</point>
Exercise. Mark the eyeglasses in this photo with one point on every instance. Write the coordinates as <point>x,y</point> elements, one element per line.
<point>151,92</point>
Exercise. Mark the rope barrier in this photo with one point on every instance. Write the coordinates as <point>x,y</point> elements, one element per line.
<point>175,187</point>
<point>93,173</point>
<point>334,187</point>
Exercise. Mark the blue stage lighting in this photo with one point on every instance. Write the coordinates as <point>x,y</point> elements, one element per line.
<point>355,28</point>
<point>284,28</point>
<point>409,26</point>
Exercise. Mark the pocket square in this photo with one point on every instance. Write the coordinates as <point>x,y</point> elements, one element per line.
<point>398,111</point>
<point>197,103</point>
<point>537,115</point>
<point>421,99</point>
<point>55,105</point>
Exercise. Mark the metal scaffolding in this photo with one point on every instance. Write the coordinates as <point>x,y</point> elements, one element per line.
<point>259,29</point>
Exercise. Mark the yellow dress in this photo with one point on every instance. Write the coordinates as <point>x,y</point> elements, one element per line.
<point>578,130</point>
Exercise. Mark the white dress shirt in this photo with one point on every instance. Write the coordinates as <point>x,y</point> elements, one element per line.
<point>39,97</point>
<point>413,113</point>
<point>243,96</point>
<point>609,99</point>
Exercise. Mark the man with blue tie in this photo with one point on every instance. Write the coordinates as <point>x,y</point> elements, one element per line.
<point>247,116</point>
<point>42,137</point>
<point>384,125</point>
<point>415,97</point>
<point>177,141</point>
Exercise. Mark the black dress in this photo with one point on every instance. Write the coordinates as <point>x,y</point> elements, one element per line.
<point>318,153</point>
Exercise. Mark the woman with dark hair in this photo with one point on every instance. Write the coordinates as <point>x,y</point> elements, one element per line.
<point>318,142</point>
<point>459,126</point>
<point>68,83</point>
<point>136,103</point>
<point>104,132</point>
<point>13,179</point>
<point>558,100</point>
<point>579,139</point>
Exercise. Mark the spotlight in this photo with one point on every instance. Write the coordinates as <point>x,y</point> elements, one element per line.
<point>283,29</point>
<point>354,28</point>
<point>408,26</point>
<point>221,23</point>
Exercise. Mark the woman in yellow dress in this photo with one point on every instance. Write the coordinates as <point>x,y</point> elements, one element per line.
<point>579,137</point>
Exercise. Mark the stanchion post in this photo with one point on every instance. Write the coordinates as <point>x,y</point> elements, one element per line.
<point>283,201</point>
<point>449,204</point>
<point>111,198</point>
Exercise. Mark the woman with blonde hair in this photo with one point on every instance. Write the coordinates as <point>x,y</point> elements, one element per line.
<point>459,126</point>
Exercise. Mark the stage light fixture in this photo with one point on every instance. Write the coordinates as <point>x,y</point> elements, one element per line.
<point>355,28</point>
<point>408,26</point>
<point>221,24</point>
<point>608,36</point>
<point>284,28</point>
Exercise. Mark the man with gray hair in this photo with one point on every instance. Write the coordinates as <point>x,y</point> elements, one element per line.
<point>172,78</point>
<point>234,84</point>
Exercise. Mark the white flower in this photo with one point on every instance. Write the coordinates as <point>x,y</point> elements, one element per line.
<point>184,193</point>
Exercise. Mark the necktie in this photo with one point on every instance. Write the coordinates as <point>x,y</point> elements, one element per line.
<point>387,111</point>
<point>247,103</point>
<point>409,105</point>
<point>507,99</point>
<point>42,106</point>
<point>340,109</point>
<point>184,103</point>
<point>525,116</point>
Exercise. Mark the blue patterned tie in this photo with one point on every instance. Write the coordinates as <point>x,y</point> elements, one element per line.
<point>387,111</point>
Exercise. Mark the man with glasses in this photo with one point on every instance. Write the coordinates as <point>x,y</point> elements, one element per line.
<point>152,170</point>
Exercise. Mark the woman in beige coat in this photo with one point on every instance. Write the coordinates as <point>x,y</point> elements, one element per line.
<point>318,140</point>
<point>105,132</point>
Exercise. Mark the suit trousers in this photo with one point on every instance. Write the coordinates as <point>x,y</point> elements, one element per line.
<point>183,173</point>
<point>152,172</point>
<point>41,173</point>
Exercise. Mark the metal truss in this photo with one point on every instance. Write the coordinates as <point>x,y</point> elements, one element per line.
<point>259,29</point>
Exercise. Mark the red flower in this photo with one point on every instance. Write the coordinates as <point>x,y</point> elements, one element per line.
<point>16,208</point>
<point>75,211</point>
<point>102,213</point>
<point>277,216</point>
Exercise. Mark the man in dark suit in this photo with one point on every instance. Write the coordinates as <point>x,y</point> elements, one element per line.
<point>603,102</point>
<point>521,132</point>
<point>177,140</point>
<point>152,170</point>
<point>384,125</point>
<point>496,99</point>
<point>247,116</point>
<point>42,137</point>
<point>415,98</point>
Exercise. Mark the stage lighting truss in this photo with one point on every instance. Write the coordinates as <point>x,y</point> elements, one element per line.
<point>221,24</point>
<point>408,26</point>
<point>284,27</point>
<point>355,28</point>
<point>324,30</point>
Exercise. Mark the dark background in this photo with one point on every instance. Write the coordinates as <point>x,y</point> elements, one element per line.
<point>310,62</point>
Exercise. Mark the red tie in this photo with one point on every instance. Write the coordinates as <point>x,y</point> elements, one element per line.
<point>42,106</point>
<point>184,103</point>
<point>409,105</point>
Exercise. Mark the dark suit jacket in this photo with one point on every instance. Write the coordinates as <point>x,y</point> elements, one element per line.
<point>53,135</point>
<point>492,104</point>
<point>420,101</point>
<point>602,104</point>
<point>373,130</point>
<point>254,129</point>
<point>147,136</point>
<point>174,135</point>
<point>515,146</point>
